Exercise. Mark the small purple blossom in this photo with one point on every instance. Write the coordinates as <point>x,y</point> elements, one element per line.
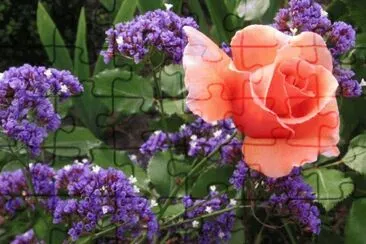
<point>15,193</point>
<point>226,48</point>
<point>342,38</point>
<point>26,238</point>
<point>348,87</point>
<point>293,197</point>
<point>26,113</point>
<point>214,230</point>
<point>96,193</point>
<point>239,175</point>
<point>198,138</point>
<point>304,15</point>
<point>159,29</point>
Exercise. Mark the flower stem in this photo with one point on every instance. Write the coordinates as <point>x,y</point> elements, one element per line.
<point>204,216</point>
<point>192,172</point>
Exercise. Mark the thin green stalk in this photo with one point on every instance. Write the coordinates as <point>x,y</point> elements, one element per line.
<point>162,111</point>
<point>289,233</point>
<point>189,209</point>
<point>192,172</point>
<point>204,216</point>
<point>105,231</point>
<point>258,238</point>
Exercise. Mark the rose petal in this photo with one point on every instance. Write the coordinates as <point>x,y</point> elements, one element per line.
<point>324,85</point>
<point>250,114</point>
<point>312,49</point>
<point>206,70</point>
<point>256,46</point>
<point>275,157</point>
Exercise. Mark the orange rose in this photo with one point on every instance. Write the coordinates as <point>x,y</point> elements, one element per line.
<point>278,89</point>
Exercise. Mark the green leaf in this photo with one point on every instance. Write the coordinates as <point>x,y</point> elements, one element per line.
<point>330,186</point>
<point>215,176</point>
<point>112,6</point>
<point>238,233</point>
<point>145,6</point>
<point>271,12</point>
<point>158,173</point>
<point>219,16</point>
<point>52,40</point>
<point>177,5</point>
<point>174,210</point>
<point>84,240</point>
<point>90,109</point>
<point>197,10</point>
<point>172,83</point>
<point>349,118</point>
<point>163,169</point>
<point>356,155</point>
<point>71,141</point>
<point>356,11</point>
<point>125,91</point>
<point>125,13</point>
<point>356,222</point>
<point>42,226</point>
<point>174,106</point>
<point>81,59</point>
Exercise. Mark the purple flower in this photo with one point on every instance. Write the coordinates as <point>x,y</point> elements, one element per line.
<point>304,15</point>
<point>155,29</point>
<point>226,48</point>
<point>196,139</point>
<point>341,38</point>
<point>26,113</point>
<point>293,197</point>
<point>239,175</point>
<point>96,193</point>
<point>213,230</point>
<point>15,193</point>
<point>26,238</point>
<point>349,87</point>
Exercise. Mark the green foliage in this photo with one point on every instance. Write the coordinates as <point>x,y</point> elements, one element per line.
<point>52,40</point>
<point>356,222</point>
<point>213,176</point>
<point>164,169</point>
<point>330,186</point>
<point>71,141</point>
<point>124,91</point>
<point>356,11</point>
<point>145,6</point>
<point>355,157</point>
<point>219,15</point>
<point>81,58</point>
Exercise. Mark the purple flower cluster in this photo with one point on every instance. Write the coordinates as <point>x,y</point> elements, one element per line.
<point>237,180</point>
<point>307,15</point>
<point>341,38</point>
<point>158,29</point>
<point>304,15</point>
<point>26,113</point>
<point>214,230</point>
<point>348,86</point>
<point>26,238</point>
<point>15,193</point>
<point>90,194</point>
<point>98,193</point>
<point>198,138</point>
<point>295,198</point>
<point>226,48</point>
